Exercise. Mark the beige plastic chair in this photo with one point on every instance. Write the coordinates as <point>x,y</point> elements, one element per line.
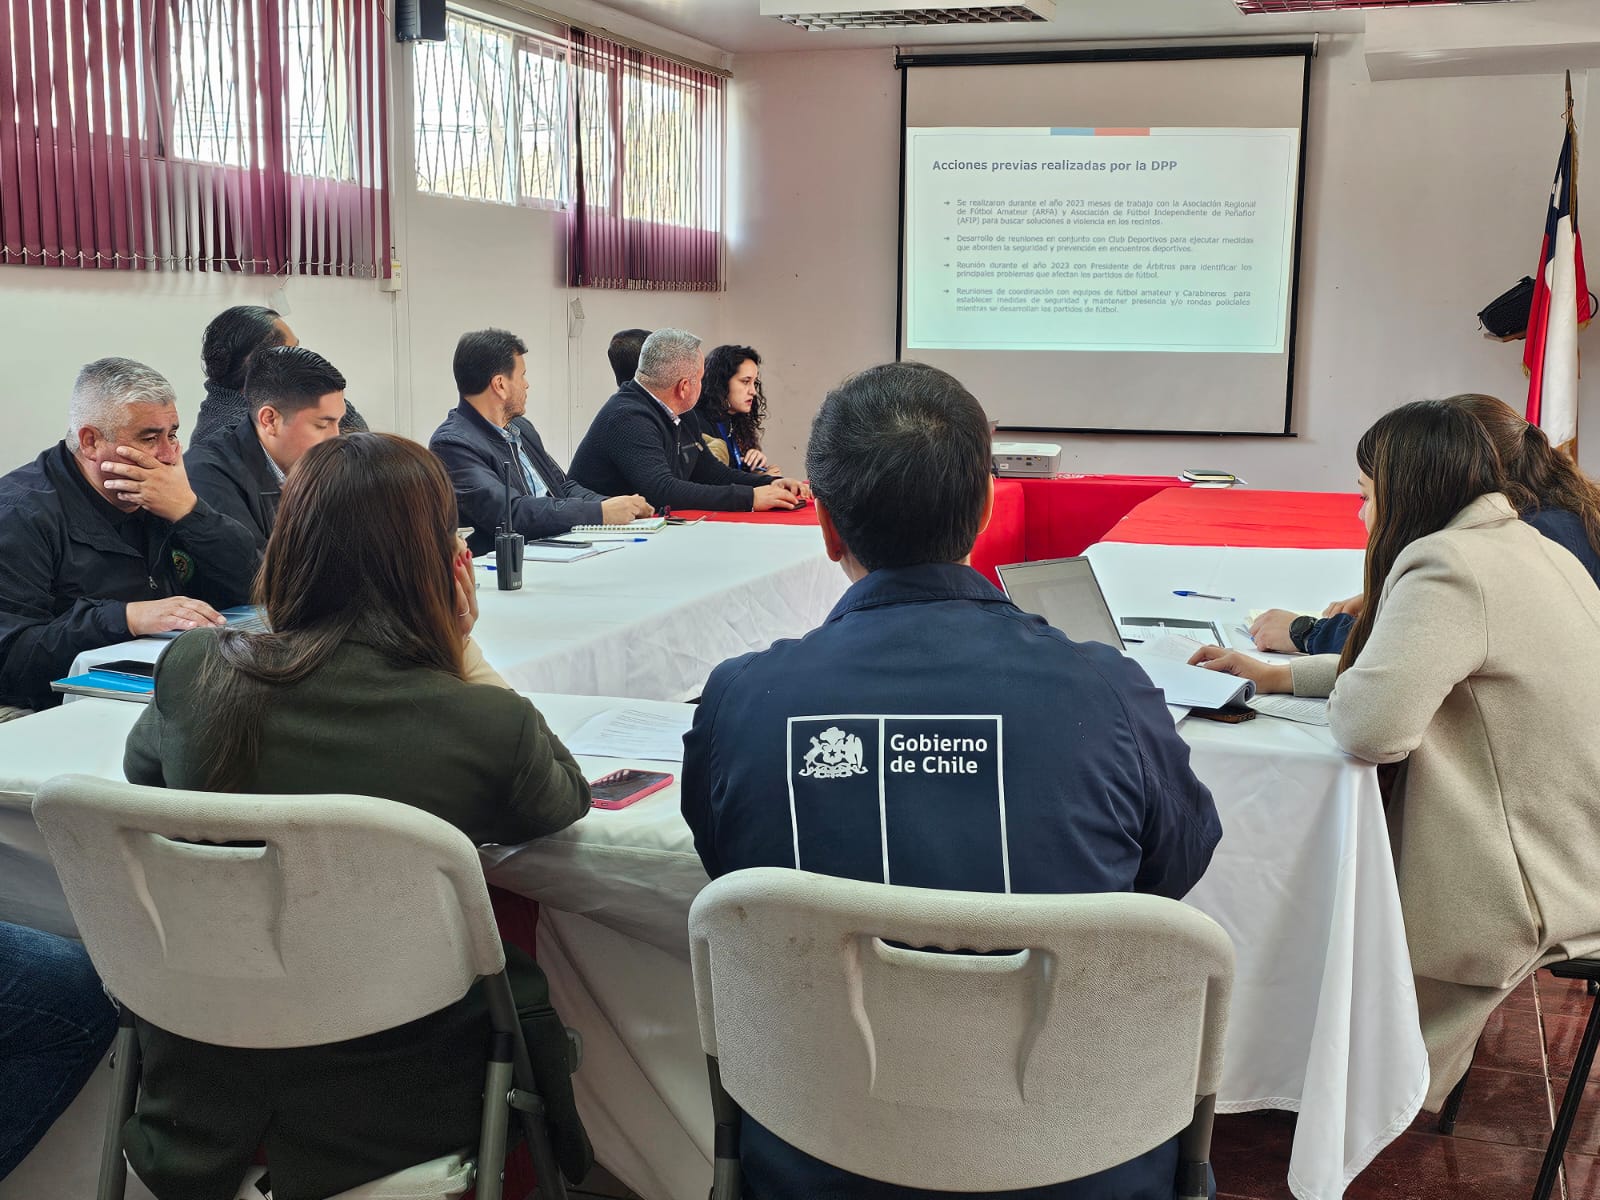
<point>352,915</point>
<point>1094,1035</point>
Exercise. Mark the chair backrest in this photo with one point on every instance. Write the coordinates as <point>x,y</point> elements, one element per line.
<point>350,915</point>
<point>1084,1046</point>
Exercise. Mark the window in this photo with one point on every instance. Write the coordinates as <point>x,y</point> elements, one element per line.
<point>629,144</point>
<point>491,117</point>
<point>242,135</point>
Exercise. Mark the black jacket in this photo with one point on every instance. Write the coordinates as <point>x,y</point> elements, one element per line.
<point>223,408</point>
<point>472,450</point>
<point>67,574</point>
<point>231,473</point>
<point>633,446</point>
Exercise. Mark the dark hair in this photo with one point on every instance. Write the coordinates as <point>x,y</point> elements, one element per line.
<point>1427,461</point>
<point>722,364</point>
<point>624,353</point>
<point>362,550</point>
<point>899,455</point>
<point>289,378</point>
<point>232,337</point>
<point>1537,475</point>
<point>483,354</point>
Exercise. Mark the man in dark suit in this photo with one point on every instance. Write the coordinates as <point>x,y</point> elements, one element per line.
<point>102,538</point>
<point>487,429</point>
<point>296,401</point>
<point>645,439</point>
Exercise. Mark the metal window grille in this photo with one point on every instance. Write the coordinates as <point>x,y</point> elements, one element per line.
<point>491,115</point>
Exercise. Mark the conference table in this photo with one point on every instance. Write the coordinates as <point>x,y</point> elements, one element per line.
<point>1324,1017</point>
<point>648,619</point>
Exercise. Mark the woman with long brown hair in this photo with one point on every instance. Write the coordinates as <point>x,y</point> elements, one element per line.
<point>367,685</point>
<point>1543,484</point>
<point>1478,666</point>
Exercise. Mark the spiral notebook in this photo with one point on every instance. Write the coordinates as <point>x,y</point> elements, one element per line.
<point>642,525</point>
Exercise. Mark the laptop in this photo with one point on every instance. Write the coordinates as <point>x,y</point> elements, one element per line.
<point>1065,592</point>
<point>246,618</point>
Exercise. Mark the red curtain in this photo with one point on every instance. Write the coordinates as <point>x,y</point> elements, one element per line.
<point>232,135</point>
<point>647,191</point>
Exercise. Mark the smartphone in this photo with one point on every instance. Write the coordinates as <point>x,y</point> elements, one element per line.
<point>622,788</point>
<point>127,666</point>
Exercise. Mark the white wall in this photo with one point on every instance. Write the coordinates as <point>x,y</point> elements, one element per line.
<point>1424,199</point>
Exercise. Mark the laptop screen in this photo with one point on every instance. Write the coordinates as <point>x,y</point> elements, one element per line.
<point>1065,592</point>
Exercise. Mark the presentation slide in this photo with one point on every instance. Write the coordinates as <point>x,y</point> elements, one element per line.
<point>1095,241</point>
<point>1146,240</point>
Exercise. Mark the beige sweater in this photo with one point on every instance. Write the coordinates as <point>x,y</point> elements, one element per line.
<point>1483,673</point>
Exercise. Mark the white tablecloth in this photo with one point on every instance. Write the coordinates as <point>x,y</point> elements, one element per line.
<point>650,619</point>
<point>1324,1016</point>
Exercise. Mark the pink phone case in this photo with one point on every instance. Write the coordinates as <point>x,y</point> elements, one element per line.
<point>631,797</point>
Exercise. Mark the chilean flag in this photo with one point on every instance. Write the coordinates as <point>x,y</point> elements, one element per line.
<point>1560,308</point>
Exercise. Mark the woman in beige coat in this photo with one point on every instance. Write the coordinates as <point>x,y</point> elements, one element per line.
<point>1479,669</point>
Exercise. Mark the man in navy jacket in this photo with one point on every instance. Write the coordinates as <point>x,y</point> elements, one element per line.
<point>644,439</point>
<point>487,430</point>
<point>102,538</point>
<point>930,733</point>
<point>296,401</point>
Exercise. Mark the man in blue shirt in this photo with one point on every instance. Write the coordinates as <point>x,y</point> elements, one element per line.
<point>488,429</point>
<point>930,733</point>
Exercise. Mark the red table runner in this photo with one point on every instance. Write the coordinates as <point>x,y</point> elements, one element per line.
<point>1244,517</point>
<point>1065,516</point>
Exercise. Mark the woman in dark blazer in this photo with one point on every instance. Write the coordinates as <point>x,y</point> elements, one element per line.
<point>367,685</point>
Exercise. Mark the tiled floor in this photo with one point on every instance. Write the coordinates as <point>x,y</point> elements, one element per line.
<point>1519,1077</point>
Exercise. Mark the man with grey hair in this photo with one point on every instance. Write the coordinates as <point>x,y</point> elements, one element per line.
<point>103,539</point>
<point>643,440</point>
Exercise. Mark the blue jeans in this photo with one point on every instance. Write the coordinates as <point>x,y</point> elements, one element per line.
<point>55,1024</point>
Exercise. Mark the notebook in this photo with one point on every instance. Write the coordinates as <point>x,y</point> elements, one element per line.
<point>246,618</point>
<point>108,686</point>
<point>642,525</point>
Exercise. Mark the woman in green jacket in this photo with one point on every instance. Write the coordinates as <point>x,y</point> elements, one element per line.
<point>368,685</point>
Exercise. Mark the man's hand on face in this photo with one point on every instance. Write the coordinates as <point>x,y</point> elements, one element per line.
<point>619,510</point>
<point>175,612</point>
<point>142,479</point>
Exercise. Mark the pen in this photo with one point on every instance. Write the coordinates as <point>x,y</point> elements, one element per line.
<point>1204,596</point>
<point>557,542</point>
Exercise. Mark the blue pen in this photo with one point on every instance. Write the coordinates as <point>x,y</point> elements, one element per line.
<point>1204,596</point>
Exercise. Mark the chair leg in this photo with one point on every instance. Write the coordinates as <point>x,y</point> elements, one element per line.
<point>528,1103</point>
<point>124,1090</point>
<point>1452,1103</point>
<point>1569,1106</point>
<point>492,1137</point>
<point>1194,1151</point>
<point>727,1179</point>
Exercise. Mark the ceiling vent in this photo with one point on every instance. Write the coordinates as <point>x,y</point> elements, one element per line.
<point>818,15</point>
<point>1322,6</point>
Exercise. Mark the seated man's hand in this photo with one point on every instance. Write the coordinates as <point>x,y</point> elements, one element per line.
<point>1270,631</point>
<point>175,612</point>
<point>799,490</point>
<point>619,510</point>
<point>1267,676</point>
<point>158,487</point>
<point>775,495</point>
<point>1352,607</point>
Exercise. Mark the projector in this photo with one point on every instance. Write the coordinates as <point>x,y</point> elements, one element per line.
<point>820,15</point>
<point>1026,460</point>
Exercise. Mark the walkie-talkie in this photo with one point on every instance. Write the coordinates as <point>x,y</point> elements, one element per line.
<point>507,544</point>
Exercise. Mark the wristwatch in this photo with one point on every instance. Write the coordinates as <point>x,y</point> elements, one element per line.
<point>1299,628</point>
